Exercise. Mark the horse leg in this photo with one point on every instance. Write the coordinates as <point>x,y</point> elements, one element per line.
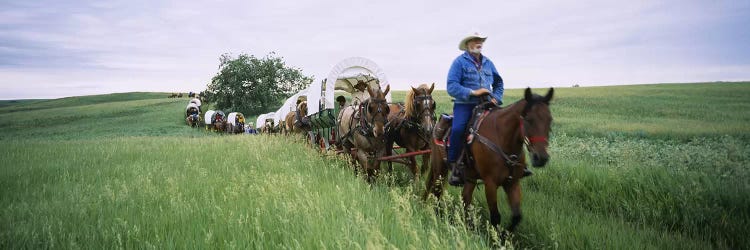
<point>514,200</point>
<point>389,152</point>
<point>432,185</point>
<point>425,162</point>
<point>413,166</point>
<point>375,169</point>
<point>370,172</point>
<point>435,176</point>
<point>466,195</point>
<point>365,164</point>
<point>356,162</point>
<point>490,190</point>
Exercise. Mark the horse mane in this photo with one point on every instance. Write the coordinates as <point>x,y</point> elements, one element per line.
<point>299,105</point>
<point>409,101</point>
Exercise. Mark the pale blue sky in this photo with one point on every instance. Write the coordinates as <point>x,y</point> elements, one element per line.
<point>53,49</point>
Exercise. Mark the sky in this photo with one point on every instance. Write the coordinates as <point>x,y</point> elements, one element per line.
<point>51,49</point>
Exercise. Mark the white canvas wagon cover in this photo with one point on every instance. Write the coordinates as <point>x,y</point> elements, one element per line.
<point>193,105</point>
<point>208,115</point>
<point>196,101</point>
<point>232,117</point>
<point>260,121</point>
<point>290,105</point>
<point>344,76</point>
<point>265,117</point>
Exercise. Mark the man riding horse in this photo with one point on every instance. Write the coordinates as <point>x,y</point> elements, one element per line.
<point>471,76</point>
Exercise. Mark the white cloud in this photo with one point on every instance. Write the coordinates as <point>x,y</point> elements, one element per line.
<point>169,46</point>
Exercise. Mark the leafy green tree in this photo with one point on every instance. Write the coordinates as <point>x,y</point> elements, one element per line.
<point>254,85</point>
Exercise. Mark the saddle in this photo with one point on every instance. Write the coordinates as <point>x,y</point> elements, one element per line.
<point>441,134</point>
<point>443,127</point>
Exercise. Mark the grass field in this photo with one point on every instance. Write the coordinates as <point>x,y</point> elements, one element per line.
<point>632,167</point>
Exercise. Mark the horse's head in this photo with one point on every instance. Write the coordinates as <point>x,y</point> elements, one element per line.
<point>302,108</point>
<point>376,111</point>
<point>421,107</point>
<point>536,123</point>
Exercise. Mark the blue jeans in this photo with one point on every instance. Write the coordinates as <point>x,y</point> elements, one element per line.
<point>461,116</point>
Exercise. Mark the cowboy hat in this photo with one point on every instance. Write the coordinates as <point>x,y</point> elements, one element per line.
<point>462,45</point>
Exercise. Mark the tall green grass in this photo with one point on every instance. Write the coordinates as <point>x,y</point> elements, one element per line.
<point>632,167</point>
<point>215,192</point>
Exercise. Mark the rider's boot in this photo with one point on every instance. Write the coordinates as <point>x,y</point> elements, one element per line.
<point>457,175</point>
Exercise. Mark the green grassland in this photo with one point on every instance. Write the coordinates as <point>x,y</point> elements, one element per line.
<point>632,167</point>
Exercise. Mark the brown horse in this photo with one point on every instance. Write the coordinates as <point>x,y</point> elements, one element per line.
<point>363,127</point>
<point>219,121</point>
<point>295,121</point>
<point>497,150</point>
<point>267,127</point>
<point>411,127</point>
<point>193,120</point>
<point>280,128</point>
<point>192,115</point>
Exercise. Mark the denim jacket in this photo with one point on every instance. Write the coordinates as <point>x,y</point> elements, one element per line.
<point>463,77</point>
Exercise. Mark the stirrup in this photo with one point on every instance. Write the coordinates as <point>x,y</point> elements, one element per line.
<point>456,179</point>
<point>527,172</point>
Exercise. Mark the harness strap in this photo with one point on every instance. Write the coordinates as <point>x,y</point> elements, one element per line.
<point>511,160</point>
<point>364,127</point>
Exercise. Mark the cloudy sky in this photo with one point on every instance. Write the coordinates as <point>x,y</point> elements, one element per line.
<point>53,49</point>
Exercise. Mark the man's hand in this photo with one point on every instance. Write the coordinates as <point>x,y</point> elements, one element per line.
<point>480,92</point>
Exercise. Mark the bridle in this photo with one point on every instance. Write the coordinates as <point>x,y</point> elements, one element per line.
<point>528,140</point>
<point>366,125</point>
<point>426,100</point>
<point>415,120</point>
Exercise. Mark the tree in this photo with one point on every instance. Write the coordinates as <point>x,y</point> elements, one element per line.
<point>254,85</point>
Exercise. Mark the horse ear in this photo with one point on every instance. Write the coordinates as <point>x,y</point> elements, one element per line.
<point>527,94</point>
<point>413,90</point>
<point>387,88</point>
<point>369,90</point>
<point>549,95</point>
<point>432,88</point>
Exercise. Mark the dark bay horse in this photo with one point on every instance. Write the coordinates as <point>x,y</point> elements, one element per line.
<point>497,150</point>
<point>411,126</point>
<point>363,127</point>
